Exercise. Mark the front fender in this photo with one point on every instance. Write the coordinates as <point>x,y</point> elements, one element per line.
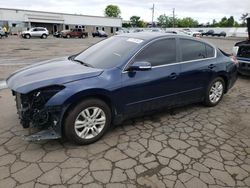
<point>76,90</point>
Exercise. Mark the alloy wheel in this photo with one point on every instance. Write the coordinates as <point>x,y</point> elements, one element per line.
<point>90,122</point>
<point>216,92</point>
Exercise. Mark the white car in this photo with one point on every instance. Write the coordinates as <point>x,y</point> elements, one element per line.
<point>192,33</point>
<point>36,32</point>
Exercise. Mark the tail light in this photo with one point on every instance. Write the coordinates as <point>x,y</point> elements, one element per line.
<point>234,60</point>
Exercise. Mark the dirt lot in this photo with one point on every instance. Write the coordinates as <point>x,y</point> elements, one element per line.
<point>193,147</point>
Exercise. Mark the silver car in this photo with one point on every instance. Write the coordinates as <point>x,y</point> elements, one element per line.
<point>36,32</point>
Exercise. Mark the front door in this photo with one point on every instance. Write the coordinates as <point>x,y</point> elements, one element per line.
<point>154,88</point>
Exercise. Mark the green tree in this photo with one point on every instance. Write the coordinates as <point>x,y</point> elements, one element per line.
<point>230,21</point>
<point>163,21</point>
<point>135,21</point>
<point>223,22</point>
<point>112,11</point>
<point>141,23</point>
<point>126,25</point>
<point>187,22</point>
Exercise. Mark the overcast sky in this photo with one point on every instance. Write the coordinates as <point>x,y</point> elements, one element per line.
<point>202,10</point>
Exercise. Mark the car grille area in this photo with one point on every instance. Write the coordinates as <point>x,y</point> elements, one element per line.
<point>30,111</point>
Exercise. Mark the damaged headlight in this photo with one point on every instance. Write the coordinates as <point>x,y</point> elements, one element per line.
<point>38,115</point>
<point>41,96</point>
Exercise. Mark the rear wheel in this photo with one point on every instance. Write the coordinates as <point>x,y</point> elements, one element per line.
<point>215,92</point>
<point>88,121</point>
<point>44,36</point>
<point>68,36</point>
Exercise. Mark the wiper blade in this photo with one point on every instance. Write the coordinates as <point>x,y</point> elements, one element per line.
<point>83,63</point>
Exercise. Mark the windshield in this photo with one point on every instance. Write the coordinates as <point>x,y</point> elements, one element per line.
<point>108,53</point>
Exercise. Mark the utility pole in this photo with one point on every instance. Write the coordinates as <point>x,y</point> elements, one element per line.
<point>173,17</point>
<point>153,12</point>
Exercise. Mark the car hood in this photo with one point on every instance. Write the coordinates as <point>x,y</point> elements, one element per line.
<point>47,73</point>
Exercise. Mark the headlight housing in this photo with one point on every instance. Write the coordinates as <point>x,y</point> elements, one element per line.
<point>40,97</point>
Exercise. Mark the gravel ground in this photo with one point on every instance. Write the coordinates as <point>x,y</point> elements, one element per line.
<point>193,146</point>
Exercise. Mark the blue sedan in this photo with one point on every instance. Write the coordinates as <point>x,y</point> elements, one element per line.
<point>124,76</point>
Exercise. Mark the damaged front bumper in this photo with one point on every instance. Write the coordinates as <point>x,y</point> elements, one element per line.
<point>34,114</point>
<point>42,135</point>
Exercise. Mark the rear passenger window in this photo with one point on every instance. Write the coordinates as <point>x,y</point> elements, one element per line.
<point>210,51</point>
<point>158,53</point>
<point>192,50</point>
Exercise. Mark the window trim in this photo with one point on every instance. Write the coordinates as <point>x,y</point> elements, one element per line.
<point>178,54</point>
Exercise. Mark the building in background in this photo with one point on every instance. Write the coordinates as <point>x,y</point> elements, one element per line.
<point>18,20</point>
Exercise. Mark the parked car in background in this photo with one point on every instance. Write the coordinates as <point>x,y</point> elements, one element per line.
<point>220,34</point>
<point>208,33</point>
<point>122,31</point>
<point>196,34</point>
<point>137,30</point>
<point>80,33</point>
<point>99,33</point>
<point>155,30</point>
<point>41,32</point>
<point>119,78</point>
<point>192,33</point>
<point>57,34</point>
<point>242,52</point>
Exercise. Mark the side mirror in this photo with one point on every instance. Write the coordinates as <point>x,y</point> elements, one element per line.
<point>235,50</point>
<point>140,66</point>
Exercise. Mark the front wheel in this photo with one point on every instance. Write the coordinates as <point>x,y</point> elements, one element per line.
<point>215,92</point>
<point>87,122</point>
<point>27,36</point>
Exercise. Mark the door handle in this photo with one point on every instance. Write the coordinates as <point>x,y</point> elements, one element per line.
<point>173,75</point>
<point>211,66</point>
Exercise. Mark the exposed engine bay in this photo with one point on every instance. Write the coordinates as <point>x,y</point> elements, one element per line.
<point>33,112</point>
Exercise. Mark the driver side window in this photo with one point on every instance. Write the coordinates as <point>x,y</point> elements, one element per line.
<point>160,52</point>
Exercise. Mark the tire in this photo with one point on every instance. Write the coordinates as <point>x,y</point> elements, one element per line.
<point>67,36</point>
<point>44,36</point>
<point>215,92</point>
<point>83,114</point>
<point>0,36</point>
<point>27,36</point>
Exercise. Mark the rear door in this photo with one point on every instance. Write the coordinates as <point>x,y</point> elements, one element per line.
<point>198,65</point>
<point>155,88</point>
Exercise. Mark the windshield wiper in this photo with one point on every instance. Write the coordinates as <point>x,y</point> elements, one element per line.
<point>83,63</point>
